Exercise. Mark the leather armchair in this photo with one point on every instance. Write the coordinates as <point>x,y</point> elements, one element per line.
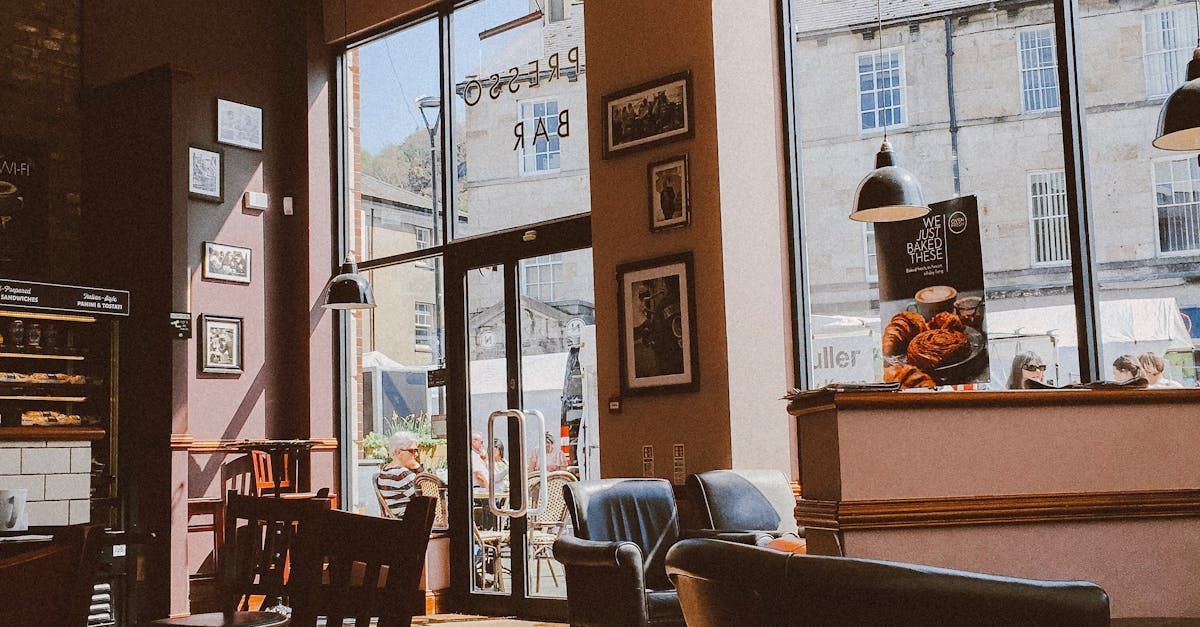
<point>723,583</point>
<point>614,552</point>
<point>747,506</point>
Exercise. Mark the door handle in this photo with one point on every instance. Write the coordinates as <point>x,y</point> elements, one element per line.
<point>541,453</point>
<point>494,507</point>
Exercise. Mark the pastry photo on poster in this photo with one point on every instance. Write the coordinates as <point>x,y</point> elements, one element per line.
<point>24,200</point>
<point>931,297</point>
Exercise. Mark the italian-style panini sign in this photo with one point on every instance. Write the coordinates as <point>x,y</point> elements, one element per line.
<point>931,297</point>
<point>68,298</point>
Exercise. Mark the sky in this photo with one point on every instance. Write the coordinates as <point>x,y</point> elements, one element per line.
<point>397,69</point>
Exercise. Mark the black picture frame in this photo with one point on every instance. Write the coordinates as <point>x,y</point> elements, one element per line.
<point>237,270</point>
<point>656,318</point>
<point>201,173</point>
<point>217,354</point>
<point>651,114</point>
<point>671,174</point>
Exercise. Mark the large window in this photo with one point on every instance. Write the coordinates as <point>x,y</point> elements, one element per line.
<point>423,326</point>
<point>1177,201</point>
<point>1168,36</point>
<point>1048,212</point>
<point>1039,69</point>
<point>540,151</point>
<point>541,277</point>
<point>881,90</point>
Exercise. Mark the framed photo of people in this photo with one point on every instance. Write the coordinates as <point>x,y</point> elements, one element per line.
<point>223,262</point>
<point>670,193</point>
<point>220,344</point>
<point>649,114</point>
<point>657,320</point>
<point>205,173</point>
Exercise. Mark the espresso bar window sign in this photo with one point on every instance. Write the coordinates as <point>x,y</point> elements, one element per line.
<point>63,298</point>
<point>239,125</point>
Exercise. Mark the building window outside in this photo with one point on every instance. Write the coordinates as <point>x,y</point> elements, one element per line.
<point>423,325</point>
<point>1167,38</point>
<point>869,257</point>
<point>543,275</point>
<point>880,90</point>
<point>424,237</point>
<point>1177,198</point>
<point>1039,70</point>
<point>540,152</point>
<point>1048,218</point>
<point>557,11</point>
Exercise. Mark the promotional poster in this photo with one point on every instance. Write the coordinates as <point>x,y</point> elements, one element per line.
<point>24,201</point>
<point>931,297</point>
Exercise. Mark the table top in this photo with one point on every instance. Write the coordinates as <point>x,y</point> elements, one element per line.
<point>271,445</point>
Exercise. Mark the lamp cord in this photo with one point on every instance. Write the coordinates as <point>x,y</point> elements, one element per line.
<point>879,57</point>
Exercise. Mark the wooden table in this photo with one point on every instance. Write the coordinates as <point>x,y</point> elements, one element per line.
<point>281,453</point>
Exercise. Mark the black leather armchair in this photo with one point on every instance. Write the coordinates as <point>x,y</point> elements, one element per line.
<point>747,506</point>
<point>615,549</point>
<point>724,583</point>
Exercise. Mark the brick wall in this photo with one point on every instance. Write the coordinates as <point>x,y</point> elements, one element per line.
<point>39,101</point>
<point>56,476</point>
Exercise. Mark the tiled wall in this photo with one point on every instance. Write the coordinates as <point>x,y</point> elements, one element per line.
<point>57,476</point>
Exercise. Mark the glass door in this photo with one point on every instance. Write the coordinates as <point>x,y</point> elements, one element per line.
<point>522,410</point>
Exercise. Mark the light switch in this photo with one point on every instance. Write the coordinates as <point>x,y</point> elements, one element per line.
<point>287,205</point>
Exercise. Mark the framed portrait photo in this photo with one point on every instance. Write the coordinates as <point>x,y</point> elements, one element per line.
<point>670,193</point>
<point>223,262</point>
<point>220,344</point>
<point>657,320</point>
<point>649,114</point>
<point>239,125</point>
<point>205,173</point>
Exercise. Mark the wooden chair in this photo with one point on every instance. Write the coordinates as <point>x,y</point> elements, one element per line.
<point>360,567</point>
<point>52,584</point>
<point>545,526</point>
<point>256,559</point>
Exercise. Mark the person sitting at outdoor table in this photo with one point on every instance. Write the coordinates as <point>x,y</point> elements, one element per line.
<point>397,480</point>
<point>1152,369</point>
<point>479,470</point>
<point>1026,366</point>
<point>555,458</point>
<point>499,466</point>
<point>1126,367</point>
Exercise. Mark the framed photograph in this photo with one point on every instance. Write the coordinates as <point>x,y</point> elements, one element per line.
<point>223,262</point>
<point>239,125</point>
<point>648,115</point>
<point>220,344</point>
<point>670,193</point>
<point>657,319</point>
<point>206,171</point>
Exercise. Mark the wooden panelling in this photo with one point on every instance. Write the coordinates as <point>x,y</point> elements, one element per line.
<point>55,434</point>
<point>988,510</point>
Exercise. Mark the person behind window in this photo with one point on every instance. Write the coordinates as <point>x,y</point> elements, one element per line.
<point>555,458</point>
<point>479,471</point>
<point>499,466</point>
<point>1027,366</point>
<point>1152,368</point>
<point>1126,367</point>
<point>397,480</point>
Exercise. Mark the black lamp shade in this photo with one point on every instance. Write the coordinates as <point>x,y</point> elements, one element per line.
<point>350,290</point>
<point>1179,119</point>
<point>889,193</point>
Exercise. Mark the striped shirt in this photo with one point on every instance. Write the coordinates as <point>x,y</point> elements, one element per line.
<point>398,485</point>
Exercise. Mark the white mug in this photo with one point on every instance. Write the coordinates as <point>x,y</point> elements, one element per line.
<point>13,516</point>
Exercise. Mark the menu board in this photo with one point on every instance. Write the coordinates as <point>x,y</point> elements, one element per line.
<point>24,204</point>
<point>931,297</point>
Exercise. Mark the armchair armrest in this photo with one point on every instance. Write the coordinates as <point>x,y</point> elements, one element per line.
<point>756,537</point>
<point>574,551</point>
<point>606,584</point>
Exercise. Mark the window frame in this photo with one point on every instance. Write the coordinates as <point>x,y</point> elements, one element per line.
<point>423,310</point>
<point>1181,12</point>
<point>878,129</point>
<point>870,256</point>
<point>523,152</point>
<point>1033,240</point>
<point>1190,159</point>
<point>1022,72</point>
<point>553,262</point>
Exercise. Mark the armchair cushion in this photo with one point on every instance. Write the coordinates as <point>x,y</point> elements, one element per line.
<point>745,500</point>
<point>641,511</point>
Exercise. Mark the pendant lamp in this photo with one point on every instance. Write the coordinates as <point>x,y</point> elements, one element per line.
<point>350,289</point>
<point>889,193</point>
<point>1179,119</point>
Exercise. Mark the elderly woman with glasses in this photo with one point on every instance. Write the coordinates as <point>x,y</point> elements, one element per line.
<point>1027,366</point>
<point>397,480</point>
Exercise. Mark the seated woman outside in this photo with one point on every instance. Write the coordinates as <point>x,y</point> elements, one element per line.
<point>397,480</point>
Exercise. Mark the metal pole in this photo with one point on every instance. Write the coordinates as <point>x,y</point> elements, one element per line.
<point>438,349</point>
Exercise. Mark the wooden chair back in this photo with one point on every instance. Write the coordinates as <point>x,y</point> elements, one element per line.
<point>264,474</point>
<point>52,584</point>
<point>263,531</point>
<point>360,567</point>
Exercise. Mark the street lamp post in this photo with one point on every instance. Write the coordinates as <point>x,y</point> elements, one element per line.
<point>432,106</point>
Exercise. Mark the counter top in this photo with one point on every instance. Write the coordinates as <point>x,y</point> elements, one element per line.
<point>57,434</point>
<point>821,400</point>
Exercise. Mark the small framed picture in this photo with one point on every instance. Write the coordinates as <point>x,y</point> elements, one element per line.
<point>223,262</point>
<point>205,173</point>
<point>649,114</point>
<point>670,193</point>
<point>220,344</point>
<point>239,125</point>
<point>656,310</point>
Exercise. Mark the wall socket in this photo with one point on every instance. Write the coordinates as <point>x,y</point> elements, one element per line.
<point>287,205</point>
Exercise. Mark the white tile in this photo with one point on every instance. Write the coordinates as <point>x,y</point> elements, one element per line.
<point>81,512</point>
<point>22,444</point>
<point>10,461</point>
<point>71,444</point>
<point>45,461</point>
<point>45,513</point>
<point>81,460</point>
<point>68,487</point>
<point>34,484</point>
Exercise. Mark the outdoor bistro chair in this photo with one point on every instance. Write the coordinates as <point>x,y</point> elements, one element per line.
<point>545,526</point>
